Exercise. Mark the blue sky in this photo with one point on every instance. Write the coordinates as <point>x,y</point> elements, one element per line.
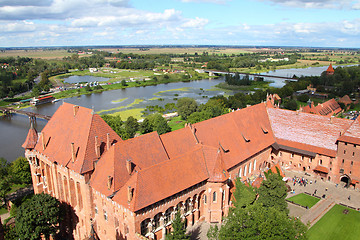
<point>309,23</point>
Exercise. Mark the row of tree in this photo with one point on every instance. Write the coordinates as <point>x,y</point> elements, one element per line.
<point>128,129</point>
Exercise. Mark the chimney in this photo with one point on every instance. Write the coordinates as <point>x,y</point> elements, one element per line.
<point>97,147</point>
<point>73,154</point>
<point>110,179</point>
<point>128,166</point>
<point>130,193</point>
<point>107,141</point>
<point>43,140</point>
<point>76,109</point>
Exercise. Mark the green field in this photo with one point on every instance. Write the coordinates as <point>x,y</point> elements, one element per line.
<point>176,123</point>
<point>336,225</point>
<point>3,210</point>
<point>304,200</point>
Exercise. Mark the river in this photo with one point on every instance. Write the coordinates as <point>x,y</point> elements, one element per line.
<point>14,130</point>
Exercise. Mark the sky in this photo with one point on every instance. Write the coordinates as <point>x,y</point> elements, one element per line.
<point>307,23</point>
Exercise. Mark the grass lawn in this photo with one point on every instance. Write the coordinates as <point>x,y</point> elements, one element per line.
<point>304,200</point>
<point>335,225</point>
<point>176,123</point>
<point>3,211</point>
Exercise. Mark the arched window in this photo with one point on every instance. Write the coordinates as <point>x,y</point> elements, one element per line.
<point>240,172</point>
<point>245,170</point>
<point>144,227</point>
<point>214,196</point>
<point>254,164</point>
<point>250,168</point>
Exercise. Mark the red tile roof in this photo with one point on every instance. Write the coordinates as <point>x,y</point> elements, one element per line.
<point>305,131</point>
<point>328,108</point>
<point>77,125</point>
<point>330,69</point>
<point>143,152</point>
<point>31,138</point>
<point>164,180</point>
<point>352,134</point>
<point>345,100</point>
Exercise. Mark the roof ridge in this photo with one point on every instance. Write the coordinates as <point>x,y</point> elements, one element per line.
<point>87,143</point>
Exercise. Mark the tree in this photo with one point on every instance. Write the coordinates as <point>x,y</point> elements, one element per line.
<point>114,122</point>
<point>273,191</point>
<point>145,126</point>
<point>259,222</point>
<point>186,106</point>
<point>243,195</point>
<point>39,216</point>
<point>291,105</point>
<point>179,231</point>
<point>20,171</point>
<point>4,188</point>
<point>130,127</point>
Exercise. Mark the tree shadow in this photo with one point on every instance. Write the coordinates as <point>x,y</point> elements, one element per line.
<point>195,233</point>
<point>68,224</point>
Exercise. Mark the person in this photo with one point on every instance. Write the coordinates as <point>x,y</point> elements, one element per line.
<point>349,198</point>
<point>315,191</point>
<point>326,189</point>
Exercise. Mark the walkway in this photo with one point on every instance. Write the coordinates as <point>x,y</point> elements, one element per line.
<point>330,194</point>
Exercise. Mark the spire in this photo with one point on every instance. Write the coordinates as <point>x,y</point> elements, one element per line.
<point>31,138</point>
<point>219,172</point>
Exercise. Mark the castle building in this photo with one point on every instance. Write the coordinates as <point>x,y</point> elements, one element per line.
<point>132,189</point>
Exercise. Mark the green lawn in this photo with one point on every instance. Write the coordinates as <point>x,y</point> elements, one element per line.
<point>304,200</point>
<point>3,211</point>
<point>176,123</point>
<point>335,225</point>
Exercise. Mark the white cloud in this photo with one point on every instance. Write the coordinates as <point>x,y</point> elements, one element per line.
<point>309,4</point>
<point>195,23</point>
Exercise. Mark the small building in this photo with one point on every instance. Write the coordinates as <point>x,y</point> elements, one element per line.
<point>330,70</point>
<point>328,108</point>
<point>41,100</point>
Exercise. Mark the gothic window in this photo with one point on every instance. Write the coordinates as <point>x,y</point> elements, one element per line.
<point>254,164</point>
<point>250,168</point>
<point>240,172</point>
<point>214,196</point>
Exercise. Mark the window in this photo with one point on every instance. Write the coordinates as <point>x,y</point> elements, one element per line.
<point>204,198</point>
<point>344,151</point>
<point>240,172</point>
<point>214,196</point>
<point>280,154</point>
<point>330,163</point>
<point>350,172</point>
<point>343,161</point>
<point>330,169</point>
<point>302,158</point>
<point>352,163</point>
<point>250,168</point>
<point>105,215</point>
<point>245,169</point>
<point>353,154</point>
<point>310,160</point>
<point>96,209</point>
<point>292,155</point>
<point>320,162</point>
<point>254,164</point>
